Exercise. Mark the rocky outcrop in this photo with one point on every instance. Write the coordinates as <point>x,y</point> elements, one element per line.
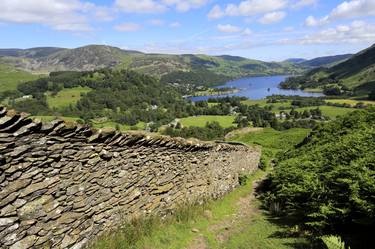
<point>62,185</point>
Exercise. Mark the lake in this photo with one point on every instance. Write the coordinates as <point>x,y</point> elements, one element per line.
<point>258,88</point>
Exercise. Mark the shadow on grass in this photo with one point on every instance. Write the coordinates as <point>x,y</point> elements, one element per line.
<point>356,235</point>
<point>288,226</point>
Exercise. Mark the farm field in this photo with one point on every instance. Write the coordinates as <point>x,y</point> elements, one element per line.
<point>110,124</point>
<point>272,139</point>
<point>329,111</point>
<point>51,118</point>
<point>66,97</point>
<point>10,77</point>
<point>200,121</point>
<point>350,101</point>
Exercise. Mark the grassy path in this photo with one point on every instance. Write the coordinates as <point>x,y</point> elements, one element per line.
<point>224,229</point>
<point>249,226</point>
<point>236,221</point>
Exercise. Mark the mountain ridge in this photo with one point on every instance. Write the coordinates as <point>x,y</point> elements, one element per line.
<point>91,57</point>
<point>355,75</point>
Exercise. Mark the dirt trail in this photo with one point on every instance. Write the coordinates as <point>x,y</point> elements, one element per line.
<point>225,228</point>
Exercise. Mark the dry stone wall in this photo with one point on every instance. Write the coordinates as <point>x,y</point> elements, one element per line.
<point>62,185</point>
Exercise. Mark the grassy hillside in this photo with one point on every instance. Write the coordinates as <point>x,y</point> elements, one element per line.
<point>328,180</point>
<point>66,97</point>
<point>356,74</point>
<point>200,121</point>
<point>98,56</point>
<point>273,141</point>
<point>10,77</point>
<point>326,61</point>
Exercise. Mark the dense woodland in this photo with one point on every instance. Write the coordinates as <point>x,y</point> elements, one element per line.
<point>328,180</point>
<point>127,97</point>
<point>187,81</point>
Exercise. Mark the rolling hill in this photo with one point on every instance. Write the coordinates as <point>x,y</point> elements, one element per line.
<point>48,59</point>
<point>326,61</point>
<point>356,74</point>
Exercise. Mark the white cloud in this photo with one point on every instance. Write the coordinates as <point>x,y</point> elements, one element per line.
<point>247,8</point>
<point>174,24</point>
<point>345,10</point>
<point>65,15</point>
<point>272,17</point>
<point>185,5</point>
<point>354,8</point>
<point>158,6</point>
<point>228,28</point>
<point>128,27</point>
<point>247,32</point>
<point>140,6</point>
<point>216,13</point>
<point>313,22</point>
<point>356,32</point>
<point>303,3</point>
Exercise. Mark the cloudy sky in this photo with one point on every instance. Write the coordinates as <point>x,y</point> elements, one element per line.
<point>260,29</point>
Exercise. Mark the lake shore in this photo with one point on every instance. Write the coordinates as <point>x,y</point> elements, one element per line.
<point>258,88</point>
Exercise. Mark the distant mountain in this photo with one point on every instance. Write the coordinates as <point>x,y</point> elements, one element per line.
<point>358,71</point>
<point>295,60</point>
<point>92,57</point>
<point>326,61</point>
<point>30,53</point>
<point>356,74</point>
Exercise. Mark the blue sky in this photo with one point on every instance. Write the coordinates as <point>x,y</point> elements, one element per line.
<point>259,29</point>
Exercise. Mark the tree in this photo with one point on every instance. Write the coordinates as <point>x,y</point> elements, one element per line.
<point>371,96</point>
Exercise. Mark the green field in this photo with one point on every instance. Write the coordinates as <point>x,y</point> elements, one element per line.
<point>261,102</point>
<point>98,125</point>
<point>66,97</point>
<point>329,111</point>
<point>200,121</point>
<point>10,77</point>
<point>50,118</point>
<point>351,102</point>
<point>274,140</point>
<point>110,124</point>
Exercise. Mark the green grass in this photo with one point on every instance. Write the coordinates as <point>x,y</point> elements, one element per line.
<point>313,90</point>
<point>351,102</point>
<point>272,140</point>
<point>50,118</point>
<point>266,232</point>
<point>261,231</point>
<point>330,111</point>
<point>275,106</point>
<point>98,125</point>
<point>175,232</point>
<point>10,77</point>
<point>261,102</point>
<point>66,97</point>
<point>200,121</point>
<point>110,124</point>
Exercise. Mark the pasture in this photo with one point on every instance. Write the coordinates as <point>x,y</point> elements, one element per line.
<point>200,121</point>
